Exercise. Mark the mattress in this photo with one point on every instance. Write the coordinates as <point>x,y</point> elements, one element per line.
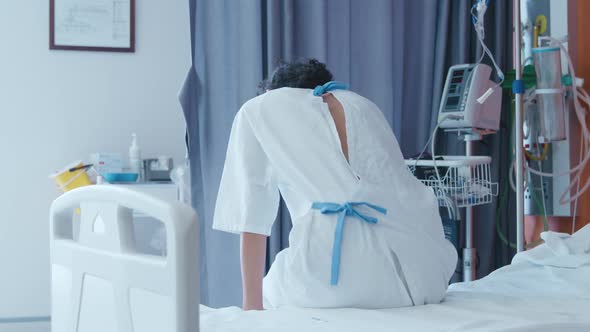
<point>534,293</point>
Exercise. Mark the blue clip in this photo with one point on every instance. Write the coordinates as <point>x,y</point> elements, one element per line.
<point>518,87</point>
<point>332,85</point>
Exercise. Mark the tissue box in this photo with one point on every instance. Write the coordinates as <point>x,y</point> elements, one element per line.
<point>107,162</point>
<point>158,169</point>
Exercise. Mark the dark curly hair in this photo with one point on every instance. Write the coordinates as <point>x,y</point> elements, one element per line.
<point>306,75</point>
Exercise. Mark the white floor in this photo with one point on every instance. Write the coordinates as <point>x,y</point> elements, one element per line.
<point>25,327</point>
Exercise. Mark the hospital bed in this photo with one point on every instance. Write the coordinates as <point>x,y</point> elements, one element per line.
<point>544,289</point>
<point>102,281</point>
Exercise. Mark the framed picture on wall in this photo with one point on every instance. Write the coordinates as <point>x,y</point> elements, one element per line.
<point>92,25</point>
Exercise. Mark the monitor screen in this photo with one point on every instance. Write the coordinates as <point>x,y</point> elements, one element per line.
<point>452,102</point>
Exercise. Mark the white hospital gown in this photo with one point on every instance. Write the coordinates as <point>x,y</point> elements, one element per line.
<point>285,142</point>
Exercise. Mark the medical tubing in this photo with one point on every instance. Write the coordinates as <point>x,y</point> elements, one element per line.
<point>539,203</point>
<point>451,207</point>
<point>578,167</point>
<point>499,230</point>
<point>538,158</point>
<point>510,178</point>
<point>504,195</point>
<point>432,149</point>
<point>578,180</point>
<point>527,100</point>
<point>542,190</point>
<point>424,149</point>
<point>541,208</point>
<point>478,21</point>
<point>478,24</point>
<point>580,113</point>
<point>432,140</point>
<point>449,204</point>
<point>535,200</point>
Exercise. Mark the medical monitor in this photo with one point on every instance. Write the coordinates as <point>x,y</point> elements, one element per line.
<point>470,99</point>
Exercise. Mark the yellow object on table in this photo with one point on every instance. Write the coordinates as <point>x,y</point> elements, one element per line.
<point>68,180</point>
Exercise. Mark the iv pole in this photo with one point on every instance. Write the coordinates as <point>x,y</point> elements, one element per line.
<point>518,131</point>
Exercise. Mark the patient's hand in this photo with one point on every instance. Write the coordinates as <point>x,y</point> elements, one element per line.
<point>248,307</point>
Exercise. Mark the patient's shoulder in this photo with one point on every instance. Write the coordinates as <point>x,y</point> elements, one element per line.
<point>283,101</point>
<point>356,99</point>
<point>251,105</point>
<point>286,96</point>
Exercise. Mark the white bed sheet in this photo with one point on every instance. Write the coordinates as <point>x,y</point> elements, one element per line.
<point>524,296</point>
<point>519,298</point>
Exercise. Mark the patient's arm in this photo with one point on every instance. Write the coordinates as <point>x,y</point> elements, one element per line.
<point>253,256</point>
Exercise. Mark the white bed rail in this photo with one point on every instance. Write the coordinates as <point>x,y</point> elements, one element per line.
<point>100,282</point>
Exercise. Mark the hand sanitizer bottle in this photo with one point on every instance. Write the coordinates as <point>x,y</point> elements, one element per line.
<point>135,156</point>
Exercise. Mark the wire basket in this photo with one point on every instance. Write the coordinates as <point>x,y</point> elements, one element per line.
<point>464,181</point>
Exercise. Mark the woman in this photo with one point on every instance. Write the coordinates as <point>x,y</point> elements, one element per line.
<point>366,233</point>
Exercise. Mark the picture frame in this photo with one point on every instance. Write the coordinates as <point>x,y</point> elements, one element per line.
<point>92,25</point>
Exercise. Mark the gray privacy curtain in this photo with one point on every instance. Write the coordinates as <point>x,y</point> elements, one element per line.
<point>394,52</point>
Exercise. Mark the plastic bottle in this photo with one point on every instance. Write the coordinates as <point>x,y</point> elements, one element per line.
<point>135,156</point>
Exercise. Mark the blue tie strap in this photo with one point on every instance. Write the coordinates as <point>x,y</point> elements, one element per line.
<point>330,86</point>
<point>344,210</point>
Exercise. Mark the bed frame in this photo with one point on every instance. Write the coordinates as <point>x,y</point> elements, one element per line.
<point>100,282</point>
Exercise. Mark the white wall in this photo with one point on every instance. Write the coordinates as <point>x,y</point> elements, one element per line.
<point>558,22</point>
<point>58,106</point>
